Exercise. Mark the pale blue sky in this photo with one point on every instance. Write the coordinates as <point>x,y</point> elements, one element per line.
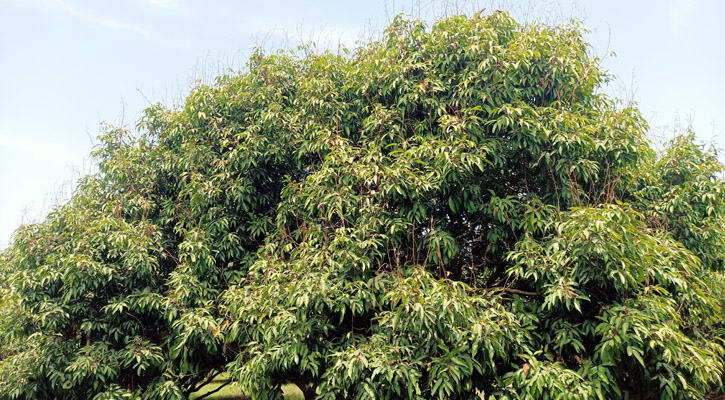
<point>68,65</point>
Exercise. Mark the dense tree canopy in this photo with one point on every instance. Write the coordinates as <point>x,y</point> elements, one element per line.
<point>450,212</point>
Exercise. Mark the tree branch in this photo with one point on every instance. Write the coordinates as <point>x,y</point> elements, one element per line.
<point>514,291</point>
<point>209,393</point>
<point>205,382</point>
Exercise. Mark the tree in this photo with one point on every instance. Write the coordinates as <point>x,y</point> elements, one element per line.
<point>450,212</point>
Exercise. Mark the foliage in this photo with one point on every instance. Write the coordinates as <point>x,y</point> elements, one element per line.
<point>449,212</point>
<point>682,194</point>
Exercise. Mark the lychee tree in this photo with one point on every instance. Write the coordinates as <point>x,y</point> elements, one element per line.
<point>452,211</point>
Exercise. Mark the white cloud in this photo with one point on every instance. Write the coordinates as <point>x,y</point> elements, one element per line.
<point>164,3</point>
<point>680,14</point>
<point>94,19</point>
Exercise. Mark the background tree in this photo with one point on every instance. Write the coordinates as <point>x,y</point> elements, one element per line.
<point>449,212</point>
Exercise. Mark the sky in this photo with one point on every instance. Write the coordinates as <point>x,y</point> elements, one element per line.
<point>67,67</point>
